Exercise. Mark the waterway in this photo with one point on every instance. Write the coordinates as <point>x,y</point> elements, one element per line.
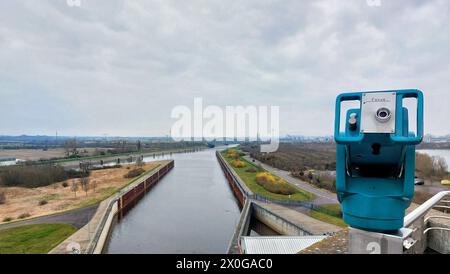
<point>192,210</point>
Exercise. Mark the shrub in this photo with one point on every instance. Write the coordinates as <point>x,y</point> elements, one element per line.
<point>233,154</point>
<point>274,184</point>
<point>24,215</point>
<point>43,202</point>
<point>65,184</point>
<point>251,170</point>
<point>238,163</point>
<point>32,176</point>
<point>134,173</point>
<point>7,219</point>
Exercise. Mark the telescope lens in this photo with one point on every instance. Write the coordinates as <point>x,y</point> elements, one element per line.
<point>383,115</point>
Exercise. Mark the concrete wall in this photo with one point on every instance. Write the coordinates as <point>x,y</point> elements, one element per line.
<point>439,240</point>
<point>277,223</point>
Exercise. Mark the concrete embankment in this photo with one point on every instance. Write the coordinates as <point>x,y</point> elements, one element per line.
<point>283,220</point>
<point>93,237</point>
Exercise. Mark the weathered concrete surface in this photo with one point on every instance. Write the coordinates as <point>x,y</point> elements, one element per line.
<point>290,222</point>
<point>438,240</point>
<point>336,244</point>
<point>242,228</point>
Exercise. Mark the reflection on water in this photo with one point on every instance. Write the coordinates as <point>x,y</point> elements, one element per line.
<point>192,210</point>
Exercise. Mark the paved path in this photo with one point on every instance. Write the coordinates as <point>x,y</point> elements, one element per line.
<point>322,196</point>
<point>78,218</point>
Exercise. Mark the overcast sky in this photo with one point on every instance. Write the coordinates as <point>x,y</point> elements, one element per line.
<point>119,67</point>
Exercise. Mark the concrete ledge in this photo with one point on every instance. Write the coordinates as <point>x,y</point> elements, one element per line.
<point>290,222</point>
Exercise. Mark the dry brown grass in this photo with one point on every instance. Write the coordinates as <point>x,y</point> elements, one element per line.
<point>20,201</point>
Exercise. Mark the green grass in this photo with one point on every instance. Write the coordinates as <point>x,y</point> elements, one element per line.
<point>34,239</point>
<point>105,193</point>
<point>329,213</point>
<point>327,218</point>
<point>249,180</point>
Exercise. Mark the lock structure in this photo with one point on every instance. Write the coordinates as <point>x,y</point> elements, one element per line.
<point>375,158</point>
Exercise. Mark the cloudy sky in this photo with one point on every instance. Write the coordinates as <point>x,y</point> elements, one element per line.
<point>119,67</point>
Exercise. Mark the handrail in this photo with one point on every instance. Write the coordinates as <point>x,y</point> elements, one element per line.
<point>436,228</point>
<point>424,208</point>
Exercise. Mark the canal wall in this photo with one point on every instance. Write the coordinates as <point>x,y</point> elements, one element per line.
<point>93,237</point>
<point>239,188</point>
<point>242,192</point>
<point>285,221</point>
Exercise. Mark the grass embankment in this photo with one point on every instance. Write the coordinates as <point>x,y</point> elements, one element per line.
<point>329,214</point>
<point>248,171</point>
<point>34,239</point>
<point>25,203</point>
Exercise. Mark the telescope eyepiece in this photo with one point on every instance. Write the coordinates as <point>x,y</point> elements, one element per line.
<point>383,115</point>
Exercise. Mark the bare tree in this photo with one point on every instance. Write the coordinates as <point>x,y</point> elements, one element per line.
<point>71,147</point>
<point>440,166</point>
<point>94,185</point>
<point>74,187</point>
<point>2,197</point>
<point>140,161</point>
<point>85,167</point>
<point>84,181</point>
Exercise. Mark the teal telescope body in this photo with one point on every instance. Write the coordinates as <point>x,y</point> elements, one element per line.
<point>375,159</point>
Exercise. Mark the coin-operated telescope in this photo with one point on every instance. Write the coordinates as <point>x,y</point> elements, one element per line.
<point>375,159</point>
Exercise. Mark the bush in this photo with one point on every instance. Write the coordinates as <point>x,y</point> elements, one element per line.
<point>24,215</point>
<point>65,184</point>
<point>134,173</point>
<point>274,184</point>
<point>2,197</point>
<point>43,202</point>
<point>32,176</point>
<point>251,170</point>
<point>233,154</point>
<point>238,163</point>
<point>7,219</point>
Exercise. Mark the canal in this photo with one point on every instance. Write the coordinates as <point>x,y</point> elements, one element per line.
<point>192,210</point>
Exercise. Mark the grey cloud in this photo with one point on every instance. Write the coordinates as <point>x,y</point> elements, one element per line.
<point>119,67</point>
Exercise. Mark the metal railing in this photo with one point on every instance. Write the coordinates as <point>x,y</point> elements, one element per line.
<point>423,209</point>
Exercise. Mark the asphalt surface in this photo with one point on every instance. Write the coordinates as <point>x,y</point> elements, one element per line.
<point>78,218</point>
<point>322,196</point>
